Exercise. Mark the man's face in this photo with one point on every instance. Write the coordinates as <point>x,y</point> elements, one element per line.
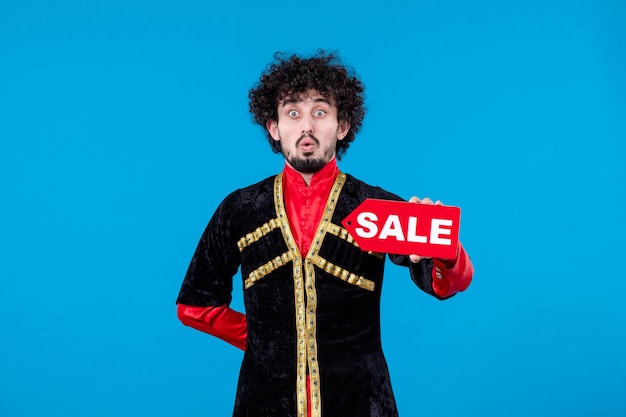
<point>308,130</point>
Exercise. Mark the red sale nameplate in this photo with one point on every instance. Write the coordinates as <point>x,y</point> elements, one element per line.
<point>404,228</point>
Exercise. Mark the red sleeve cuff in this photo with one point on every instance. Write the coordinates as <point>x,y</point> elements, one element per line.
<point>450,279</point>
<point>222,322</point>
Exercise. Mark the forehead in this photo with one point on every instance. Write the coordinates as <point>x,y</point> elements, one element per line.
<point>310,96</point>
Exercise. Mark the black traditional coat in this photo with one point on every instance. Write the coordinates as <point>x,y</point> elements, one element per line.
<point>316,314</point>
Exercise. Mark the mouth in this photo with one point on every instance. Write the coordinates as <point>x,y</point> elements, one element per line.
<point>307,143</point>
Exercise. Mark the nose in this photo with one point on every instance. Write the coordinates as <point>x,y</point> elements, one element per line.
<point>307,124</point>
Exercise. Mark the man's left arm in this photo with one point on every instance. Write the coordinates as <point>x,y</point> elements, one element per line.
<point>441,278</point>
<point>452,276</point>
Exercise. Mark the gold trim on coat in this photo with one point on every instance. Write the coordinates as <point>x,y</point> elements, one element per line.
<point>258,233</point>
<point>306,298</point>
<point>263,270</point>
<point>311,293</point>
<point>342,233</point>
<point>300,301</point>
<point>344,274</point>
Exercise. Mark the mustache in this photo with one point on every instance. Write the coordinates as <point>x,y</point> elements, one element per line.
<point>307,135</point>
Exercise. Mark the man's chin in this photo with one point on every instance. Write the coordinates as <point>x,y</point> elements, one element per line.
<point>307,165</point>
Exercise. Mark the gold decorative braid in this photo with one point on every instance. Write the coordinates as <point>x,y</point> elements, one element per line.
<point>311,294</point>
<point>300,301</point>
<point>343,274</point>
<point>342,233</point>
<point>263,270</point>
<point>257,234</point>
<point>305,292</point>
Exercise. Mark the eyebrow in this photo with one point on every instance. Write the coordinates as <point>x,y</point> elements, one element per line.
<point>292,100</point>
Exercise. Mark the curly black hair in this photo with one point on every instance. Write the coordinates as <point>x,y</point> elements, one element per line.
<point>323,72</point>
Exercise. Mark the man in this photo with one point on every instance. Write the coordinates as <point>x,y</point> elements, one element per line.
<point>311,333</point>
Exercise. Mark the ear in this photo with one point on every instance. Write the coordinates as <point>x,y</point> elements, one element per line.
<point>272,127</point>
<point>342,131</point>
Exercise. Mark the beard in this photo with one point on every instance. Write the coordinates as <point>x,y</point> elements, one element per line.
<point>307,164</point>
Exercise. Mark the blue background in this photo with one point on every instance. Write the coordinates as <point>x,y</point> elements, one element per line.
<point>124,124</point>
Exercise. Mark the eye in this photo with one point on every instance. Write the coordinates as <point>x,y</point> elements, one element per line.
<point>293,113</point>
<point>319,113</point>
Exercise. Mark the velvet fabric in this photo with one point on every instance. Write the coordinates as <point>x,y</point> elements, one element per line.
<point>353,375</point>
